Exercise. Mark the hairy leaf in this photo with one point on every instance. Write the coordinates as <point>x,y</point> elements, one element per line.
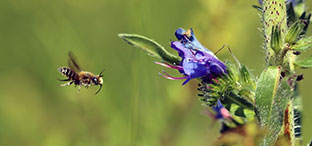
<point>265,93</point>
<point>304,63</point>
<point>150,46</point>
<point>272,96</point>
<point>303,44</point>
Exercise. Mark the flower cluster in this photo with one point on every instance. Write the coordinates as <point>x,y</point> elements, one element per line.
<point>197,62</point>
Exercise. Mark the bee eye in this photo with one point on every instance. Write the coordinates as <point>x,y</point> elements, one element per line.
<point>95,81</point>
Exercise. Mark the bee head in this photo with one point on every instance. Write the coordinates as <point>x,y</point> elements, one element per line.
<point>98,80</point>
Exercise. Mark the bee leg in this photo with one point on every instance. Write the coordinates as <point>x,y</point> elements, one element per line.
<point>79,87</point>
<point>64,79</point>
<point>66,84</point>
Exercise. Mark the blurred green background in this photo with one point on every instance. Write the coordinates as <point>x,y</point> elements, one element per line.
<point>136,106</point>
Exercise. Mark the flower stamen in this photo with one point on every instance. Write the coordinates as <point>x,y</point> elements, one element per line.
<point>167,76</point>
<point>178,67</point>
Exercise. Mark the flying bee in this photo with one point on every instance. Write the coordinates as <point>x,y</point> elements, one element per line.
<point>80,78</point>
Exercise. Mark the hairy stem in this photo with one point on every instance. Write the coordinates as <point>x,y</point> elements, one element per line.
<point>274,14</point>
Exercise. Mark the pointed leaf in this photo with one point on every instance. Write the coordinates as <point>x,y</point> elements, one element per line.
<point>305,63</point>
<point>265,93</point>
<point>272,96</point>
<point>150,46</point>
<point>303,44</point>
<point>275,123</point>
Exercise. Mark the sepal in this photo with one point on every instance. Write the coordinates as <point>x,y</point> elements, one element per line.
<point>276,39</point>
<point>294,31</point>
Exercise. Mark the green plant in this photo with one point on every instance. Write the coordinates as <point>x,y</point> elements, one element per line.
<point>252,112</point>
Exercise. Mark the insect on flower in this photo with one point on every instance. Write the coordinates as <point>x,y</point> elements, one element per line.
<point>75,75</point>
<point>197,61</point>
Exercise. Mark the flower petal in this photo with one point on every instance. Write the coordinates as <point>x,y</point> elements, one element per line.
<point>189,40</point>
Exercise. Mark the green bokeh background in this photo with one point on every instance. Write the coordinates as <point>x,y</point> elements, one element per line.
<point>136,106</point>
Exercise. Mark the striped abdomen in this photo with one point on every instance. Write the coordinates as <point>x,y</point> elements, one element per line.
<point>68,73</point>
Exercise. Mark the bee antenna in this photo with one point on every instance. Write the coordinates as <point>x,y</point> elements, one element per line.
<point>99,89</point>
<point>101,73</point>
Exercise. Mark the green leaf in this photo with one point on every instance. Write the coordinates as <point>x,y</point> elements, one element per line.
<point>241,101</point>
<point>272,96</point>
<point>303,44</point>
<point>283,95</point>
<point>150,46</point>
<point>305,63</point>
<point>265,93</point>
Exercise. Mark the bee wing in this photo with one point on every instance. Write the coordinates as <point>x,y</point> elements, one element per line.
<point>72,62</point>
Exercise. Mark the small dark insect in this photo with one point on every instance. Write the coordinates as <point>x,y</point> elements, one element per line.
<point>75,75</point>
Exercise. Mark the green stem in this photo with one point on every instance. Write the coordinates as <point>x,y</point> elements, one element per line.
<point>282,55</point>
<point>274,14</point>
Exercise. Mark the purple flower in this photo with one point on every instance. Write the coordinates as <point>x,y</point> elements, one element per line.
<point>221,111</point>
<point>218,112</point>
<point>197,61</point>
<point>188,39</point>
